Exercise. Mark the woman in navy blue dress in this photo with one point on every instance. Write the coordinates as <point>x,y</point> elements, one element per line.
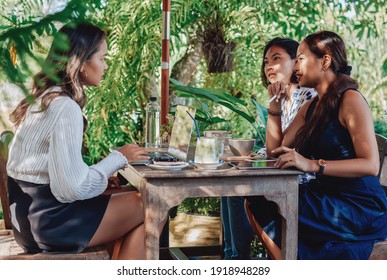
<point>344,211</point>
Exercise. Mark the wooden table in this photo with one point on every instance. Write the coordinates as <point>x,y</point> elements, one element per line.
<point>162,190</point>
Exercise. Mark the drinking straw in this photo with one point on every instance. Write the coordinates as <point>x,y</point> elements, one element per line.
<point>196,124</point>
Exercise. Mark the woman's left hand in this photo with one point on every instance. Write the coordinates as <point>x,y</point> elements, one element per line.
<point>290,158</point>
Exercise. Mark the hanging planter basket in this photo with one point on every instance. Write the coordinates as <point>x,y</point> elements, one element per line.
<point>217,52</point>
<point>219,57</point>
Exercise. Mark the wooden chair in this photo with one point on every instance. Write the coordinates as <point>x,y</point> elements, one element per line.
<point>272,250</point>
<point>10,250</point>
<point>379,251</point>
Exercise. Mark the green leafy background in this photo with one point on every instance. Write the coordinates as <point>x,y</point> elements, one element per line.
<point>234,101</point>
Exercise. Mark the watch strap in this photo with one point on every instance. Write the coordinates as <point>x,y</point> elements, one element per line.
<point>322,163</point>
<point>321,170</point>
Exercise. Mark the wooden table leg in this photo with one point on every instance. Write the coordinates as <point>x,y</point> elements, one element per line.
<point>291,234</point>
<point>152,221</point>
<point>288,208</point>
<point>156,210</point>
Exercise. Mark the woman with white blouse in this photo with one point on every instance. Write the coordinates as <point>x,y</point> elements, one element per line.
<point>57,201</point>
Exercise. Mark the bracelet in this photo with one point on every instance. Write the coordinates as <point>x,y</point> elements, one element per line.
<point>273,113</point>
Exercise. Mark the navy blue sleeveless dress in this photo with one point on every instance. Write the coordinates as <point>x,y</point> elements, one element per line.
<point>339,218</point>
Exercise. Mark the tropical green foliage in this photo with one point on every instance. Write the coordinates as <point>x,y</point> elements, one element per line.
<point>115,109</point>
<point>23,26</point>
<point>203,205</point>
<point>5,139</point>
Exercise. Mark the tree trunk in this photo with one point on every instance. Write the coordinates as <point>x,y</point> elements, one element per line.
<point>184,70</point>
<point>186,67</point>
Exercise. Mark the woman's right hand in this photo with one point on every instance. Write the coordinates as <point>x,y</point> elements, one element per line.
<point>277,89</point>
<point>133,152</point>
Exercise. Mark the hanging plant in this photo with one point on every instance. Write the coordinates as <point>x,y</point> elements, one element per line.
<point>218,53</point>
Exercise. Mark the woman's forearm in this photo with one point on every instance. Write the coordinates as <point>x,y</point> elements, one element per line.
<point>274,134</point>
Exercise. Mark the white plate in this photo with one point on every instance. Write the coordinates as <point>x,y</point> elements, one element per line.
<point>168,167</point>
<point>208,166</point>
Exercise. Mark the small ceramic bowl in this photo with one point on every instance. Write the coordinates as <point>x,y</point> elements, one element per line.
<point>241,146</point>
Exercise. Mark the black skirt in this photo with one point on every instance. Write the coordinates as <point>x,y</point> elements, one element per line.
<point>43,224</point>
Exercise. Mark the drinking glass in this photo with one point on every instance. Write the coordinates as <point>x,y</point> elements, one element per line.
<point>207,150</point>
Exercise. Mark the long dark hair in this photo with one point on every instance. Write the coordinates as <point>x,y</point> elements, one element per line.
<point>326,43</point>
<point>288,45</point>
<point>72,46</point>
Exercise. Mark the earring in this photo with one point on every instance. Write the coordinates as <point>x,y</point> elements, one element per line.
<point>84,73</point>
<point>324,69</point>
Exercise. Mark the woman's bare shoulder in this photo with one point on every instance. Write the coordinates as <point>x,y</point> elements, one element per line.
<point>353,99</point>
